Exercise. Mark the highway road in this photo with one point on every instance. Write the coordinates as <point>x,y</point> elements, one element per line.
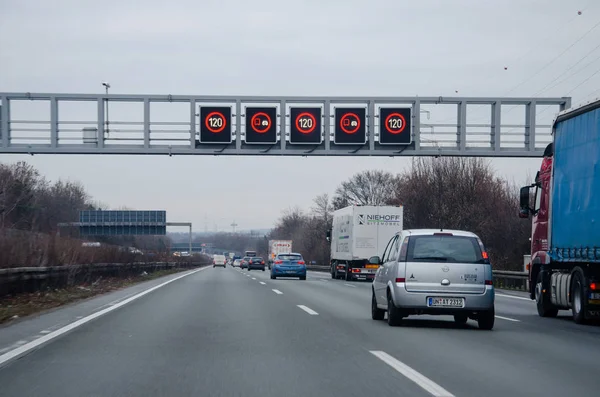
<point>231,332</point>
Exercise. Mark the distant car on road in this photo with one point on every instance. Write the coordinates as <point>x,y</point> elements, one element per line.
<point>288,265</point>
<point>219,260</point>
<point>244,262</point>
<point>256,263</point>
<point>237,263</point>
<point>439,272</point>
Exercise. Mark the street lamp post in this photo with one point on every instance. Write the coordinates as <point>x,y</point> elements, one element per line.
<point>106,87</point>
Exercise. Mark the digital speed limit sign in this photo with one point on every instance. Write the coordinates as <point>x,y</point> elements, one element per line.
<point>395,126</point>
<point>305,125</point>
<point>215,124</point>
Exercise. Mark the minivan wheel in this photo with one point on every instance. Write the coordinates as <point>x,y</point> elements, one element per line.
<point>376,313</point>
<point>394,316</point>
<point>460,318</point>
<point>485,320</point>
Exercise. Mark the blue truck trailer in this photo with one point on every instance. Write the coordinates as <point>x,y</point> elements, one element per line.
<point>564,203</point>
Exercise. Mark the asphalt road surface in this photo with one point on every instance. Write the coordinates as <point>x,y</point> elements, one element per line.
<point>231,332</point>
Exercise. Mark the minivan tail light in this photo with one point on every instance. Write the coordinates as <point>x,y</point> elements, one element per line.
<point>484,254</point>
<point>400,279</point>
<point>489,282</point>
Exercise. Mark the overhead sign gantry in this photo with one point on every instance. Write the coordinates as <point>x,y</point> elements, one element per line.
<point>284,126</point>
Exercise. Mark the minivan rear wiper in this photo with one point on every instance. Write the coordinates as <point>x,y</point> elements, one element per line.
<point>436,258</point>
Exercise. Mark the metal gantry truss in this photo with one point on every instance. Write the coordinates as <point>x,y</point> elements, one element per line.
<point>48,133</point>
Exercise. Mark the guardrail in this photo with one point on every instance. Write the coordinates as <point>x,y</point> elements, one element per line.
<point>31,279</point>
<point>507,279</point>
<point>504,279</point>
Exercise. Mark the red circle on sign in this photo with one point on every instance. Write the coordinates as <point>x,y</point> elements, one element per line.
<point>215,130</point>
<point>395,131</point>
<point>256,118</point>
<point>345,117</point>
<point>312,127</point>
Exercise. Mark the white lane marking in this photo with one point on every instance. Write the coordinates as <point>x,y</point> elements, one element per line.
<point>508,319</point>
<point>263,283</point>
<point>253,278</point>
<point>278,292</point>
<point>308,310</point>
<point>350,285</point>
<point>44,332</point>
<point>48,337</point>
<point>514,297</point>
<point>421,380</point>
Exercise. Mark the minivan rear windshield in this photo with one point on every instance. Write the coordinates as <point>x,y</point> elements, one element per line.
<point>444,248</point>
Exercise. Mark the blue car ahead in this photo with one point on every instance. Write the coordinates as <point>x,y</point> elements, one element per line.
<point>288,265</point>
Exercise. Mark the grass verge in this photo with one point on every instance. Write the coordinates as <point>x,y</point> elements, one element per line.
<point>23,305</point>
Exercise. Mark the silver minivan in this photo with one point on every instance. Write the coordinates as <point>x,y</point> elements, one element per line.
<point>433,271</point>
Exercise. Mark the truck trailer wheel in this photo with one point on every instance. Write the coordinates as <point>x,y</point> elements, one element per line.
<point>578,296</point>
<point>544,307</point>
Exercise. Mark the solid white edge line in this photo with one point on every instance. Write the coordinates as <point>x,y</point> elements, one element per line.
<point>277,292</point>
<point>350,285</point>
<point>308,310</point>
<point>514,297</point>
<point>508,319</point>
<point>4,358</point>
<point>262,282</point>
<point>421,380</point>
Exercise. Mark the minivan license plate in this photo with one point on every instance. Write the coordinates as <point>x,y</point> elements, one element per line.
<point>445,302</point>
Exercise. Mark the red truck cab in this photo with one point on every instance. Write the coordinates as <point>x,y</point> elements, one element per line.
<point>540,217</point>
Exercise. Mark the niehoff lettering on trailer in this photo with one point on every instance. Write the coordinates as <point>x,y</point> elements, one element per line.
<point>383,220</point>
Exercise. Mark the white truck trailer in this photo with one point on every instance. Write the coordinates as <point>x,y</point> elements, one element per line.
<point>358,233</point>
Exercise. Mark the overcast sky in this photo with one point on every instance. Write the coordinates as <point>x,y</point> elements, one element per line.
<point>274,47</point>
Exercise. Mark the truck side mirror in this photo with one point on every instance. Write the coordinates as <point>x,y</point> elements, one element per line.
<point>328,235</point>
<point>524,209</point>
<point>375,260</point>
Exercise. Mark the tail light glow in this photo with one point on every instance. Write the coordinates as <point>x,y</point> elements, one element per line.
<point>593,286</point>
<point>484,254</point>
<point>301,262</point>
<point>400,279</point>
<point>489,282</point>
<point>355,270</point>
<point>278,262</point>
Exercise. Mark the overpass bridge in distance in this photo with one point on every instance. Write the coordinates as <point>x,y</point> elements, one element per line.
<point>276,125</point>
<point>196,247</point>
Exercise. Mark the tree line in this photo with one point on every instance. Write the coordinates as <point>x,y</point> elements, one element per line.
<point>31,207</point>
<point>444,192</point>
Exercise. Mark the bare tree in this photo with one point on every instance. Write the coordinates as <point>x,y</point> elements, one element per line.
<point>366,188</point>
<point>463,193</point>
